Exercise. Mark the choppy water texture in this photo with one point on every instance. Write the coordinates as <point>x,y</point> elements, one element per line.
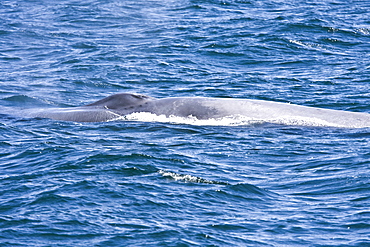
<point>136,183</point>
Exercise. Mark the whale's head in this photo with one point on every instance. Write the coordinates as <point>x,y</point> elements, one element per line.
<point>121,101</point>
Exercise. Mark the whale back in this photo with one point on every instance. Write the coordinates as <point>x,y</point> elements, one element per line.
<point>116,106</point>
<point>121,100</point>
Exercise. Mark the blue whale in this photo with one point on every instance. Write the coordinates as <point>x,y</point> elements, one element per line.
<point>116,107</point>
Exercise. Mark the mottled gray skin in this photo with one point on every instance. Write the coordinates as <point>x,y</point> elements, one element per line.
<point>118,105</point>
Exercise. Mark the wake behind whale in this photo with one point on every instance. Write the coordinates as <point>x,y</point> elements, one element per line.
<point>201,110</point>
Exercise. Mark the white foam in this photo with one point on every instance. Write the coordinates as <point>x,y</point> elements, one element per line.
<point>188,178</point>
<point>224,121</point>
<point>235,120</point>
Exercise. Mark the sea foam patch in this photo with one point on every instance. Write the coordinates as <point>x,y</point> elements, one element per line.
<point>234,120</point>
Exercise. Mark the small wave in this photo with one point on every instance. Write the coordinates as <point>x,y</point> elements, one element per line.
<point>249,189</point>
<point>21,101</point>
<point>244,192</point>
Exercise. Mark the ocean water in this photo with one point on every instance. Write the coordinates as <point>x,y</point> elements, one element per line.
<point>182,183</point>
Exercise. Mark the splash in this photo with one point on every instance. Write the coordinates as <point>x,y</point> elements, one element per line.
<point>189,178</point>
<point>224,121</point>
<point>234,120</point>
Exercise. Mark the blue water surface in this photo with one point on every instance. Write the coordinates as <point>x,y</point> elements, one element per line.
<point>138,183</point>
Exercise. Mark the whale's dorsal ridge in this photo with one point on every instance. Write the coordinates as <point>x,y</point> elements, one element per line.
<point>121,100</point>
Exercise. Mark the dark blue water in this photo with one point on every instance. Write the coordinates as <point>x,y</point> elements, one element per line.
<point>150,183</point>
